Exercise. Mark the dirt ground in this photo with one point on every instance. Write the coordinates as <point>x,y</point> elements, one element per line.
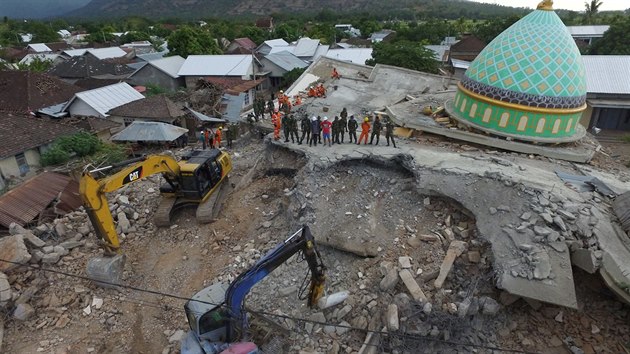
<point>272,193</point>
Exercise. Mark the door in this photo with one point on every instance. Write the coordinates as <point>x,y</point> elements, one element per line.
<point>22,164</point>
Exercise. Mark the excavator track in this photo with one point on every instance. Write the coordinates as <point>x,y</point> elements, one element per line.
<point>208,211</point>
<point>162,216</point>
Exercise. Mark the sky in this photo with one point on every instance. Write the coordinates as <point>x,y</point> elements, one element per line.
<point>576,5</point>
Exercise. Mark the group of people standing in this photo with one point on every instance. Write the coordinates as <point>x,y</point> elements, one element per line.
<point>211,139</point>
<point>332,132</point>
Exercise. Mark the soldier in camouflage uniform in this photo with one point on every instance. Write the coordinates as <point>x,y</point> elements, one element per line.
<point>305,125</point>
<point>293,129</point>
<point>344,123</point>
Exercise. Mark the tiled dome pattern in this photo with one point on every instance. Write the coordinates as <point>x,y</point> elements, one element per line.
<point>536,56</point>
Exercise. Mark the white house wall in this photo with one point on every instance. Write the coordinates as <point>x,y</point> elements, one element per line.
<point>9,166</point>
<point>80,108</point>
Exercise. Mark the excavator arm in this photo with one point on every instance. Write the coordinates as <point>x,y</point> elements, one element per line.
<point>300,241</point>
<point>93,191</point>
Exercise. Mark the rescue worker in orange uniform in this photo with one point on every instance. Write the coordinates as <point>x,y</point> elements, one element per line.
<point>321,91</point>
<point>312,92</point>
<point>365,130</point>
<point>277,124</point>
<point>335,74</point>
<point>297,101</point>
<point>217,137</point>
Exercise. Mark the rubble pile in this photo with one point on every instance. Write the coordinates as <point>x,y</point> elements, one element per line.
<point>65,245</point>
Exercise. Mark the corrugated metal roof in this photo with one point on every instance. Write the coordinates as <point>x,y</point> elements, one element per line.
<point>607,74</point>
<point>149,131</point>
<point>169,65</point>
<point>74,52</point>
<point>286,60</point>
<point>353,55</point>
<point>24,203</point>
<point>588,31</point>
<point>106,98</point>
<point>282,48</point>
<point>107,53</point>
<point>152,56</point>
<point>321,51</point>
<point>39,47</point>
<point>204,118</point>
<point>276,42</point>
<point>439,50</point>
<point>217,65</point>
<point>460,64</point>
<point>306,47</point>
<point>41,56</point>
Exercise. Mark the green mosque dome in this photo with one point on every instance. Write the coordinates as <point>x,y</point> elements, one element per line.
<point>528,83</point>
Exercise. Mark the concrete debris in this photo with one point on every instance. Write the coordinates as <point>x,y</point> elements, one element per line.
<point>489,305</point>
<point>23,312</point>
<point>13,249</point>
<point>586,260</point>
<point>412,285</point>
<point>5,290</point>
<point>393,323</point>
<point>455,249</point>
<point>332,299</point>
<point>97,302</point>
<point>389,281</point>
<point>560,223</point>
<point>474,257</point>
<point>51,258</point>
<point>176,337</point>
<point>123,223</point>
<point>32,240</point>
<point>61,229</point>
<point>405,262</point>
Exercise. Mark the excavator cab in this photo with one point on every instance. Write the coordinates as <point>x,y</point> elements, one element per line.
<point>200,172</point>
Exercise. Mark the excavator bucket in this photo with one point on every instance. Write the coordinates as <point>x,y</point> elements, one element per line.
<point>106,271</point>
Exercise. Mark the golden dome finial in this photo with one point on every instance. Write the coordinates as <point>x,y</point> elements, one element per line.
<point>546,5</point>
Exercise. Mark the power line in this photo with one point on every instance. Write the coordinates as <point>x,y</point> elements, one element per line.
<point>165,307</point>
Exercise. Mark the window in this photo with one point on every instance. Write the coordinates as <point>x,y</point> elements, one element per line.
<point>505,118</point>
<point>486,115</point>
<point>247,98</point>
<point>22,164</point>
<point>522,124</point>
<point>473,110</point>
<point>540,127</point>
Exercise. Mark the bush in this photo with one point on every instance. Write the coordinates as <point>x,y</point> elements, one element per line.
<point>82,144</point>
<point>111,153</point>
<point>54,156</point>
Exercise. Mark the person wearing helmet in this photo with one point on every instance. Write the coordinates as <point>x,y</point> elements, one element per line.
<point>352,129</point>
<point>277,123</point>
<point>365,129</point>
<point>314,131</point>
<point>217,137</point>
<point>305,125</point>
<point>376,129</point>
<point>389,131</point>
<point>202,138</point>
<point>326,127</point>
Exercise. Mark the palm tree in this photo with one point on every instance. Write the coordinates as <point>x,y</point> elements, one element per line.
<point>591,10</point>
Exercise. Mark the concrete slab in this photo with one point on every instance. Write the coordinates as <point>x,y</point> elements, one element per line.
<point>409,115</point>
<point>476,182</point>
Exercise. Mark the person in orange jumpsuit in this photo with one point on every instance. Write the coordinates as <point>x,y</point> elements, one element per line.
<point>321,91</point>
<point>277,124</point>
<point>297,101</point>
<point>312,92</point>
<point>365,130</point>
<point>335,74</point>
<point>217,137</point>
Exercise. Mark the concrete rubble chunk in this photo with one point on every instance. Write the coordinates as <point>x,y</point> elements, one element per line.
<point>344,311</point>
<point>23,312</point>
<point>83,230</point>
<point>526,216</point>
<point>13,249</point>
<point>51,258</point>
<point>316,317</point>
<point>586,260</point>
<point>176,337</point>
<point>16,229</point>
<point>560,223</point>
<point>541,231</point>
<point>412,285</point>
<point>547,217</point>
<point>5,291</point>
<point>393,323</point>
<point>455,249</point>
<point>61,229</point>
<point>474,257</point>
<point>60,250</point>
<point>490,306</point>
<point>123,222</point>
<point>448,234</point>
<point>33,240</point>
<point>404,262</point>
<point>565,214</point>
<point>71,244</point>
<point>389,281</point>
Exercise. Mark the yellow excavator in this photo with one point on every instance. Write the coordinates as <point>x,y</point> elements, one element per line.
<point>194,180</point>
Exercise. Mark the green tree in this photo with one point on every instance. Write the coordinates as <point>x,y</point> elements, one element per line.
<point>254,33</point>
<point>186,41</point>
<point>591,10</point>
<point>405,54</point>
<point>489,30</point>
<point>290,76</point>
<point>615,41</point>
